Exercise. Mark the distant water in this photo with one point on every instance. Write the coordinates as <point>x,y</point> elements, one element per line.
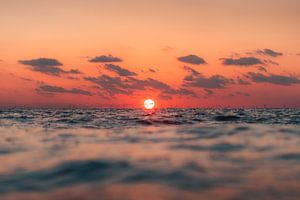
<point>116,154</point>
<point>112,118</point>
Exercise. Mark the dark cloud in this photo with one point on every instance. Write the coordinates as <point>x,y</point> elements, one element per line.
<point>41,62</point>
<point>243,82</point>
<point>128,85</point>
<point>79,91</point>
<point>105,59</point>
<point>273,79</point>
<point>269,52</point>
<point>243,61</point>
<point>261,68</point>
<point>74,71</point>
<point>161,86</point>
<point>208,93</point>
<point>47,66</point>
<point>152,70</point>
<point>119,70</point>
<point>191,70</point>
<point>298,54</point>
<point>112,85</point>
<point>192,59</point>
<point>44,65</point>
<point>181,92</point>
<point>196,79</point>
<point>213,82</point>
<point>239,94</point>
<point>152,83</point>
<point>49,70</point>
<point>57,89</point>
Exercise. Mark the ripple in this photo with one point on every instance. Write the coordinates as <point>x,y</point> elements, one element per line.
<point>227,118</point>
<point>110,118</point>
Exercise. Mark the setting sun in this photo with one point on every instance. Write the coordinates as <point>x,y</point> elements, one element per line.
<point>149,104</point>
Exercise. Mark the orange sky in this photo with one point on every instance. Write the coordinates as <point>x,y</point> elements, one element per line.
<point>150,35</point>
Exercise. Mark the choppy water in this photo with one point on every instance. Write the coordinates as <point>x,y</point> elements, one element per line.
<point>171,154</point>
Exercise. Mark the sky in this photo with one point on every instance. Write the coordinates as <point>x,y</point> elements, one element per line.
<point>181,53</point>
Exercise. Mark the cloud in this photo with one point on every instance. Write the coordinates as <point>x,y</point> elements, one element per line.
<point>180,91</point>
<point>191,70</point>
<point>164,88</point>
<point>192,59</point>
<point>57,89</point>
<point>243,61</point>
<point>208,92</point>
<point>105,59</point>
<point>128,85</point>
<point>112,85</point>
<point>79,91</point>
<point>150,83</point>
<point>273,79</point>
<point>41,62</point>
<point>239,94</point>
<point>196,79</point>
<point>47,66</point>
<point>242,81</point>
<point>269,52</point>
<point>119,70</point>
<point>213,82</point>
<point>74,71</point>
<point>152,70</point>
<point>44,65</point>
<point>261,68</point>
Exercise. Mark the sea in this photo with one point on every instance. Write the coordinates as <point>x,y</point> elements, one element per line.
<point>165,154</point>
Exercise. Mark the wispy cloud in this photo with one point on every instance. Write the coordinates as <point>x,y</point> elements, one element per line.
<point>128,85</point>
<point>261,68</point>
<point>58,89</point>
<point>269,52</point>
<point>152,70</point>
<point>241,81</point>
<point>119,70</point>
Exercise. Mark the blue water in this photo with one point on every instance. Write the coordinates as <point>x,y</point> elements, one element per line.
<point>218,154</point>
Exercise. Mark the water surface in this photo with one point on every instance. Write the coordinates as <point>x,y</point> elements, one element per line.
<point>128,154</point>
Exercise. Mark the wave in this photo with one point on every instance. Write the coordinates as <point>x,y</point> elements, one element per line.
<point>111,118</point>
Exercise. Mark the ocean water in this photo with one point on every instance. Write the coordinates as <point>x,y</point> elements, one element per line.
<point>129,154</point>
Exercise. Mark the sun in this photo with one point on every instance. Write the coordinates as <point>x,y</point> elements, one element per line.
<point>149,104</point>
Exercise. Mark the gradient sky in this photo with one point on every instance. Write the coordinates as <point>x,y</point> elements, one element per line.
<point>183,53</point>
